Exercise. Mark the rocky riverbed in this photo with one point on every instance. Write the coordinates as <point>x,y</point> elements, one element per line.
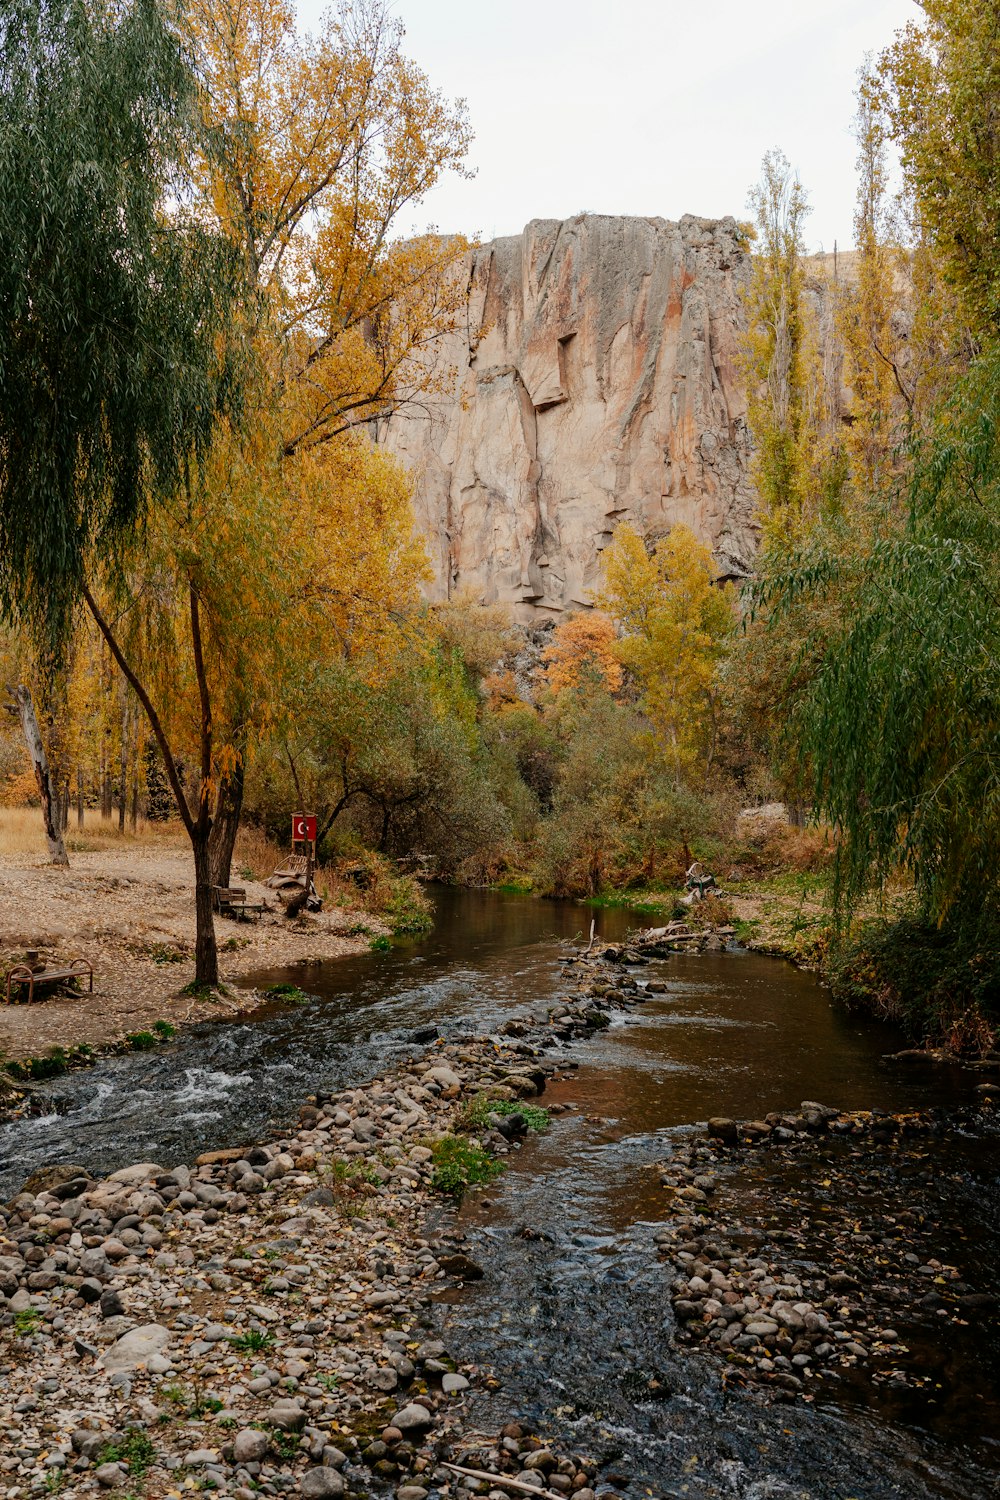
<point>263,1321</point>
<point>778,1271</point>
<point>253,1322</point>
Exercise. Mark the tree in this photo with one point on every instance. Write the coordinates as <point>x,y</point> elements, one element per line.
<point>582,646</point>
<point>899,719</point>
<point>869,308</point>
<point>942,87</point>
<point>317,147</point>
<point>796,462</point>
<point>100,294</point>
<point>116,312</point>
<point>319,144</point>
<point>675,622</point>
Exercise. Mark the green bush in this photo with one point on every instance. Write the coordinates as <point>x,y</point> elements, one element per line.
<point>940,983</point>
<point>478,1110</point>
<point>141,1041</point>
<point>134,1449</point>
<point>288,992</point>
<point>458,1164</point>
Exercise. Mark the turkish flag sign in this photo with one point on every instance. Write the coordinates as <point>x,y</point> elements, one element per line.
<point>303,828</point>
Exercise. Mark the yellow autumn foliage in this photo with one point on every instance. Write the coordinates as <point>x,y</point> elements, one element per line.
<point>674,622</point>
<point>582,652</point>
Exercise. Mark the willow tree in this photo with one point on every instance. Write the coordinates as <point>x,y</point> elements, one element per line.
<point>900,716</point>
<point>115,304</point>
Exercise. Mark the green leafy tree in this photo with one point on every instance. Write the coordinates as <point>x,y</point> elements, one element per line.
<point>116,305</point>
<point>942,87</point>
<point>788,409</point>
<point>900,714</point>
<point>112,298</point>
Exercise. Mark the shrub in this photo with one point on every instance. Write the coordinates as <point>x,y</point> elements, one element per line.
<point>938,983</point>
<point>459,1164</point>
<point>478,1110</point>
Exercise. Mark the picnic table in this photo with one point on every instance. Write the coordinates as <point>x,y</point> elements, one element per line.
<point>45,978</point>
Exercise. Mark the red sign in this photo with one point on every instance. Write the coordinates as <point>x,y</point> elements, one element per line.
<point>303,828</point>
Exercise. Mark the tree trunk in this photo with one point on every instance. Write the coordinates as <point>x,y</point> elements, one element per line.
<point>206,960</point>
<point>64,806</point>
<point>225,827</point>
<point>79,796</point>
<point>51,809</point>
<point>105,780</point>
<point>123,769</point>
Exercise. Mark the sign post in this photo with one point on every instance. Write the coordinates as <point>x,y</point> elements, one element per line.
<point>304,829</point>
<point>304,833</point>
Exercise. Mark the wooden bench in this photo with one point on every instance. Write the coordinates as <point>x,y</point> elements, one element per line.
<point>39,979</point>
<point>231,901</point>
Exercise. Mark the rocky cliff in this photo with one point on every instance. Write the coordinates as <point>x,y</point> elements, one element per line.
<point>594,382</point>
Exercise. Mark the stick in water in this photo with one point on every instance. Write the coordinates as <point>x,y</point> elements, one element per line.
<point>504,1483</point>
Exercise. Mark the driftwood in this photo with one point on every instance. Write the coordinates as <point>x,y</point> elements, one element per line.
<point>503,1482</point>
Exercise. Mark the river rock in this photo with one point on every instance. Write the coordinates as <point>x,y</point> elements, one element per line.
<point>45,1179</point>
<point>462,1266</point>
<point>287,1415</point>
<point>135,1347</point>
<point>446,1077</point>
<point>135,1176</point>
<point>412,1418</point>
<point>319,1483</point>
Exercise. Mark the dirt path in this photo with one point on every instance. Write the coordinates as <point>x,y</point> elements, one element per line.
<point>131,912</point>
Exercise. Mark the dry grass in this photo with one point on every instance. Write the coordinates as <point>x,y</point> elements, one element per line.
<point>766,846</point>
<point>257,853</point>
<point>21,832</point>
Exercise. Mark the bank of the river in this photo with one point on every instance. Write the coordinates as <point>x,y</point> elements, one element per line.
<point>263,1291</point>
<point>251,1323</point>
<point>130,912</point>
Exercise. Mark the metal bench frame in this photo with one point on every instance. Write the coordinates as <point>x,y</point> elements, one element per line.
<point>77,968</point>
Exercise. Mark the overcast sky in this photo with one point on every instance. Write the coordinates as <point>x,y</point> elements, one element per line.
<point>651,107</point>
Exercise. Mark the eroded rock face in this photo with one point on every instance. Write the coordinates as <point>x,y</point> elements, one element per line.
<point>596,383</point>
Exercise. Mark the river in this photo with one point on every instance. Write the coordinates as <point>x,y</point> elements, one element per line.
<point>576,1320</point>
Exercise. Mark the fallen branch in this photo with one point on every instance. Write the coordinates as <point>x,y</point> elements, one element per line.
<point>505,1483</point>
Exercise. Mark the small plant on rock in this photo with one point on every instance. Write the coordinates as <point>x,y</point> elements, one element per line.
<point>458,1164</point>
<point>27,1322</point>
<point>134,1449</point>
<point>141,1041</point>
<point>289,992</point>
<point>476,1113</point>
<point>253,1341</point>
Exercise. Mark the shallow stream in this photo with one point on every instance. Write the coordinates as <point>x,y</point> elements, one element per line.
<point>576,1318</point>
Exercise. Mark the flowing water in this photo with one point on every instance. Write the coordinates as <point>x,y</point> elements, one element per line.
<point>576,1320</point>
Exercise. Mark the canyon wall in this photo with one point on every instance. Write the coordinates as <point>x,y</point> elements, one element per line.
<point>595,381</point>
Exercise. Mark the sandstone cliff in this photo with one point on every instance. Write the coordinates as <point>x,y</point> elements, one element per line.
<point>595,382</point>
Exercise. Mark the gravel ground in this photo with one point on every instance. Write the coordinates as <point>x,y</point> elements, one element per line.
<point>256,1322</point>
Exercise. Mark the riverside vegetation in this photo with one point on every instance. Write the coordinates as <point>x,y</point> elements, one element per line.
<point>214,600</point>
<point>210,591</point>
